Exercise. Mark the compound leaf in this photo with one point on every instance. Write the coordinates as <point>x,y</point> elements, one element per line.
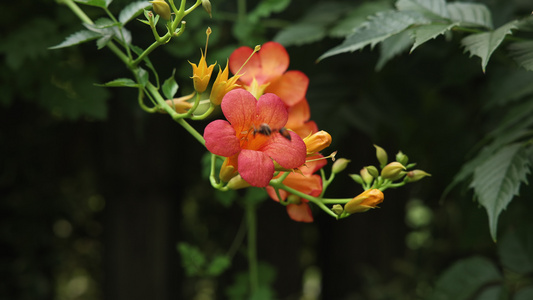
<point>497,180</point>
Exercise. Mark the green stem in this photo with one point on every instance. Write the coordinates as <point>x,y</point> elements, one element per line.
<point>251,221</point>
<point>175,116</point>
<point>77,11</point>
<point>84,18</point>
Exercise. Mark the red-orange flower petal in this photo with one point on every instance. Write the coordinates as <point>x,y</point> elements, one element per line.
<point>300,212</point>
<point>270,62</point>
<point>291,87</point>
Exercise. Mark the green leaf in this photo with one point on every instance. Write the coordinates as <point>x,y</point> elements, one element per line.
<point>508,87</point>
<point>464,278</point>
<point>300,34</point>
<point>170,87</point>
<point>484,44</point>
<point>427,7</point>
<point>266,7</point>
<point>393,46</point>
<point>218,265</point>
<point>192,259</point>
<point>522,53</point>
<point>497,180</point>
<point>97,3</point>
<point>515,249</point>
<point>379,27</point>
<point>120,82</point>
<point>103,41</point>
<point>78,38</point>
<point>470,14</point>
<point>424,33</point>
<point>131,11</point>
<point>358,17</point>
<point>143,76</point>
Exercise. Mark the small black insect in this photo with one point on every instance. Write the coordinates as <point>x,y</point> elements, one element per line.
<point>285,133</point>
<point>263,129</point>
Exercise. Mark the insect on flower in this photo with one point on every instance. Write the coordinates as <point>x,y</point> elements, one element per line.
<point>265,129</point>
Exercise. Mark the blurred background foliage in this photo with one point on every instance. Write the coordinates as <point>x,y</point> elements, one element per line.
<point>96,195</point>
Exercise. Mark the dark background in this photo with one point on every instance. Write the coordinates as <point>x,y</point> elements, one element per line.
<point>95,193</point>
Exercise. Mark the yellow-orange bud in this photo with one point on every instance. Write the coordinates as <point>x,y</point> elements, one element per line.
<point>317,142</point>
<point>161,8</point>
<point>180,104</point>
<point>222,85</point>
<point>366,200</point>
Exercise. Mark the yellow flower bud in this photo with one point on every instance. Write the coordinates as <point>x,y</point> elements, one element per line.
<point>207,6</point>
<point>365,175</point>
<point>317,142</point>
<point>339,165</point>
<point>363,202</point>
<point>227,172</point>
<point>393,170</point>
<point>237,182</point>
<point>416,175</point>
<point>381,155</point>
<point>161,8</point>
<point>180,105</point>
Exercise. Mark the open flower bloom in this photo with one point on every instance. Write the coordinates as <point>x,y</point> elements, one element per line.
<point>247,149</point>
<point>267,70</point>
<point>304,181</point>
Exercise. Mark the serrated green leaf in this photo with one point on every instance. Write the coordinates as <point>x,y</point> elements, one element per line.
<point>132,10</point>
<point>102,23</point>
<point>525,24</point>
<point>426,7</point>
<point>470,14</point>
<point>464,278</point>
<point>357,17</point>
<point>300,34</point>
<point>103,41</point>
<point>379,27</point>
<point>78,38</point>
<point>497,180</point>
<point>120,82</point>
<point>484,44</point>
<point>97,3</point>
<point>393,46</point>
<point>522,53</point>
<point>427,32</point>
<point>170,86</point>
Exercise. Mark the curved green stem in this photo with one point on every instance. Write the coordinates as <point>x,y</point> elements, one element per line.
<point>175,116</point>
